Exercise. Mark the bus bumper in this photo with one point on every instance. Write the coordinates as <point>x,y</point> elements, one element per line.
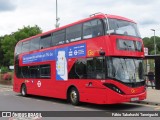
<point>118,98</point>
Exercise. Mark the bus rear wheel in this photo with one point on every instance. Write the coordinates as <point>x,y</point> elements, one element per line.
<point>74,96</point>
<point>24,90</point>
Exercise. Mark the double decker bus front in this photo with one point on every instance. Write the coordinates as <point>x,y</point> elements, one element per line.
<point>124,79</point>
<point>124,65</point>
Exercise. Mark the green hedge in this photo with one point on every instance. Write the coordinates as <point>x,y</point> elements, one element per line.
<point>4,70</point>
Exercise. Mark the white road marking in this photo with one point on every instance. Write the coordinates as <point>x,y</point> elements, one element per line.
<point>82,108</point>
<point>147,105</point>
<point>157,108</point>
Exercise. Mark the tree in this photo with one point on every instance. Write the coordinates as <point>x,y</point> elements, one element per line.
<point>9,42</point>
<point>1,53</point>
<point>149,43</point>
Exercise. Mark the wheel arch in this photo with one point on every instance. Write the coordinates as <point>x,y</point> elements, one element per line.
<point>21,86</point>
<point>68,90</point>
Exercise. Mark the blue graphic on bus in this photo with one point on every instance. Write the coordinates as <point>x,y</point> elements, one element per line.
<point>61,64</point>
<point>77,51</point>
<point>39,57</point>
<point>70,52</point>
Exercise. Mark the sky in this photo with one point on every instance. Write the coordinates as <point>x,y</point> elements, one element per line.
<point>15,14</point>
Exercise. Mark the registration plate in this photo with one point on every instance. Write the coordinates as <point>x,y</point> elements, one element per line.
<point>135,99</point>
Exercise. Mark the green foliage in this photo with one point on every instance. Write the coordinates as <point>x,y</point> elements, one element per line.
<point>149,43</point>
<point>8,43</point>
<point>1,53</point>
<point>4,70</point>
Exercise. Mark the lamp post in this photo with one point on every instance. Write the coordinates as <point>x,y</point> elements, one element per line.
<point>154,41</point>
<point>57,18</point>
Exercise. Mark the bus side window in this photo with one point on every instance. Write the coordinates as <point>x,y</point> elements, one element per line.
<point>138,46</point>
<point>95,68</point>
<point>34,72</point>
<point>99,68</point>
<point>26,46</point>
<point>25,72</point>
<point>81,68</point>
<point>90,68</point>
<point>58,37</point>
<point>18,48</point>
<point>34,44</point>
<point>18,71</point>
<point>73,33</point>
<point>92,29</point>
<point>45,41</point>
<point>45,71</point>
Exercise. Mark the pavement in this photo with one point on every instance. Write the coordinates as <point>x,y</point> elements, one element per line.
<point>6,86</point>
<point>153,95</point>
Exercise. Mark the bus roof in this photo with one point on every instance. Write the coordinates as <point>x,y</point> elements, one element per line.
<point>93,16</point>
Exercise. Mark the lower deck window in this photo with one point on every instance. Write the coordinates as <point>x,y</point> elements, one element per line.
<point>45,71</point>
<point>39,71</point>
<point>90,68</point>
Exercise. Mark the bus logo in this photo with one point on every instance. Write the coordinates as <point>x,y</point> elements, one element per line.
<point>133,91</point>
<point>90,53</point>
<point>39,83</point>
<point>75,52</point>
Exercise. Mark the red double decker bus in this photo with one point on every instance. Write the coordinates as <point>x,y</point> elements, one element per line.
<point>95,60</point>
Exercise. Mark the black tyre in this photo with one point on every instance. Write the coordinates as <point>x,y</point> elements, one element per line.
<point>74,96</point>
<point>24,90</point>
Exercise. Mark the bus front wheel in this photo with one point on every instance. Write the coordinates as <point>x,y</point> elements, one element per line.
<point>74,96</point>
<point>24,90</point>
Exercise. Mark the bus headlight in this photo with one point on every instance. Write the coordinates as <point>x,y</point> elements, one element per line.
<point>114,88</point>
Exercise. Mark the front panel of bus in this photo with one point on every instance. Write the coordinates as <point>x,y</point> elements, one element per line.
<point>123,63</point>
<point>113,69</point>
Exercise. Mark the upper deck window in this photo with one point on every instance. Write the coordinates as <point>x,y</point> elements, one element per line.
<point>74,33</point>
<point>18,48</point>
<point>34,44</point>
<point>26,46</point>
<point>45,41</point>
<point>58,37</point>
<point>92,29</point>
<point>122,27</point>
